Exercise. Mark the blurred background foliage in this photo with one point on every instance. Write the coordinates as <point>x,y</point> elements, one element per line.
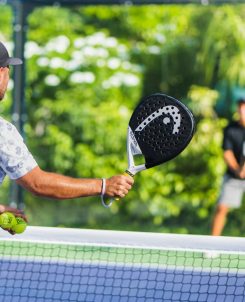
<point>89,67</point>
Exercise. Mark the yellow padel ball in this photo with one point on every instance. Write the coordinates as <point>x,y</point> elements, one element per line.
<point>7,220</point>
<point>20,225</point>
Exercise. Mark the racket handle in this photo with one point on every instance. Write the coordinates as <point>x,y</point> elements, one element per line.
<point>108,205</point>
<point>126,173</point>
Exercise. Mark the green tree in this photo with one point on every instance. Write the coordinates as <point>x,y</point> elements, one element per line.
<point>85,76</point>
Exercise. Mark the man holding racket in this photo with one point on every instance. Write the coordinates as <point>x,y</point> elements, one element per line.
<point>17,162</point>
<point>233,186</point>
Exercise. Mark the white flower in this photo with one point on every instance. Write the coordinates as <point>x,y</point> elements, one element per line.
<point>123,52</point>
<point>98,38</point>
<point>131,80</point>
<point>78,57</point>
<point>79,42</point>
<point>154,49</point>
<point>160,38</point>
<point>57,63</point>
<point>113,63</point>
<point>110,42</point>
<point>72,65</point>
<point>102,52</point>
<point>82,77</point>
<point>89,51</point>
<point>52,80</point>
<point>58,44</point>
<point>32,49</point>
<point>115,81</point>
<point>43,61</point>
<point>121,78</point>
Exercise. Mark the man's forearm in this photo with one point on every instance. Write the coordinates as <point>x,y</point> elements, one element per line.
<point>58,186</point>
<point>64,187</point>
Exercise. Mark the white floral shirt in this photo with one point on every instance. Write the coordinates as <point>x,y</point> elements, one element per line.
<point>15,158</point>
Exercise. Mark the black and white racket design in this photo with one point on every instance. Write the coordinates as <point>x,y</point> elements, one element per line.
<point>160,128</point>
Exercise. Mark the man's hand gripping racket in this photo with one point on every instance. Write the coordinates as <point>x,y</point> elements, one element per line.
<point>159,129</point>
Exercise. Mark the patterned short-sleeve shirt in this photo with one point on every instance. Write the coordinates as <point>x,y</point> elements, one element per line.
<point>15,158</point>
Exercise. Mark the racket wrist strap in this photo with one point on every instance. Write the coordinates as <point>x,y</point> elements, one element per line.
<point>103,186</point>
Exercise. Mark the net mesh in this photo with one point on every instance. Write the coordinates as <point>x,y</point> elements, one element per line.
<point>117,266</point>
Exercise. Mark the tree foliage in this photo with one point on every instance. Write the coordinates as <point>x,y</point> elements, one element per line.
<point>85,76</point>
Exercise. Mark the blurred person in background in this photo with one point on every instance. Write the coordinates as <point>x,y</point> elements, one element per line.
<point>233,186</point>
<point>18,163</point>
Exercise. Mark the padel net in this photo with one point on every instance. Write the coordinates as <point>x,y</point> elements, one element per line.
<point>55,264</point>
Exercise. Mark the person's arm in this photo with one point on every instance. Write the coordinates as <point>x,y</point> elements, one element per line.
<point>231,161</point>
<point>233,164</point>
<point>18,163</point>
<point>242,172</point>
<point>58,186</point>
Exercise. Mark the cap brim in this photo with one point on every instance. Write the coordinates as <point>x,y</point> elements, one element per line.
<point>14,61</point>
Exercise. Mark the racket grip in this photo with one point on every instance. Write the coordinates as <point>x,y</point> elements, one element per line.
<point>108,205</point>
<point>126,173</point>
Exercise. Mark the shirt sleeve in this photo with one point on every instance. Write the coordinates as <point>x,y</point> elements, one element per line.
<point>227,140</point>
<point>15,158</point>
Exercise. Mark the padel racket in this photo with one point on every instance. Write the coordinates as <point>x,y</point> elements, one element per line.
<point>159,129</point>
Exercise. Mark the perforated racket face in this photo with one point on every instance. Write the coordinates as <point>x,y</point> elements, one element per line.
<point>162,127</point>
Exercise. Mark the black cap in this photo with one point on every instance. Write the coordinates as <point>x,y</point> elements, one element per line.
<point>5,59</point>
<point>241,101</point>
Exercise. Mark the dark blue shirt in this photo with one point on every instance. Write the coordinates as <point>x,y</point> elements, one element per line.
<point>234,140</point>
